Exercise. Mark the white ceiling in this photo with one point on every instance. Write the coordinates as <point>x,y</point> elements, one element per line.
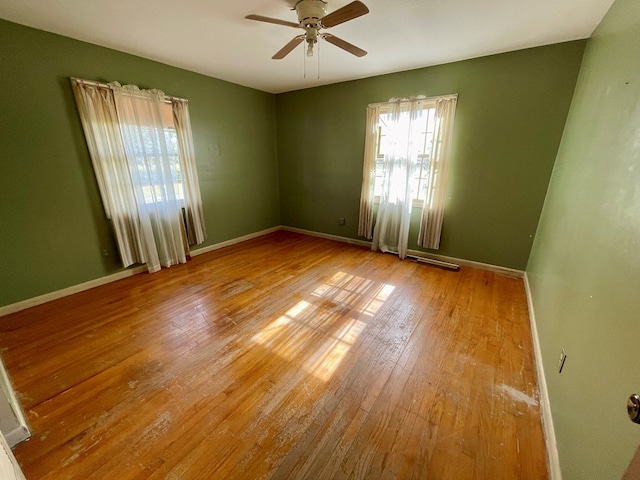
<point>213,38</point>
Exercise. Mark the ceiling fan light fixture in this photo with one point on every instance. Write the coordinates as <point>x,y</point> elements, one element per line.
<point>311,37</point>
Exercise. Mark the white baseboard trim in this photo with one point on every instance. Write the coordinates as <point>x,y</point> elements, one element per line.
<point>233,241</point>
<point>327,236</point>
<point>65,292</point>
<point>509,272</point>
<point>553,461</point>
<point>417,253</point>
<point>48,297</point>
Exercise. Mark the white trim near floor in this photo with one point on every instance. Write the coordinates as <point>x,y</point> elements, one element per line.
<point>233,241</point>
<point>65,292</point>
<point>328,236</point>
<point>47,297</point>
<point>510,272</point>
<point>553,461</point>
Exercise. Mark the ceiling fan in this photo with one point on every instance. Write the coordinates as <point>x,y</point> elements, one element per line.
<point>312,17</point>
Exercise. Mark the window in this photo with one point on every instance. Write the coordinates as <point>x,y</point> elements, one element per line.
<point>141,147</point>
<point>406,160</point>
<point>148,152</point>
<point>420,139</point>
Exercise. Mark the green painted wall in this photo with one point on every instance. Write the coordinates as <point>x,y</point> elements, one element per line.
<point>52,225</point>
<point>509,120</point>
<point>511,111</point>
<point>584,270</point>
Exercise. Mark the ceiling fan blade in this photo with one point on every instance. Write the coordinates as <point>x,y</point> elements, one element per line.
<point>286,50</point>
<point>348,12</point>
<point>277,21</point>
<point>349,47</point>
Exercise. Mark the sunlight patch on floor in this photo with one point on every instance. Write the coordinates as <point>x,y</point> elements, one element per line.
<point>288,334</point>
<point>378,300</point>
<point>277,327</point>
<point>326,360</point>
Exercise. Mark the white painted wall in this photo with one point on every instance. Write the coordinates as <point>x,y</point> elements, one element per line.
<point>9,468</point>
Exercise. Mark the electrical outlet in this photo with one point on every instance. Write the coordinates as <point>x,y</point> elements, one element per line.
<point>341,221</point>
<point>561,360</point>
<point>105,252</point>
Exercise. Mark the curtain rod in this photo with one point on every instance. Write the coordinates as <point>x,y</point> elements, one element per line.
<point>168,98</point>
<point>420,99</point>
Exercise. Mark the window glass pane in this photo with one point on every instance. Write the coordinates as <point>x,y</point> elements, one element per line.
<point>174,157</point>
<point>148,150</point>
<point>418,142</point>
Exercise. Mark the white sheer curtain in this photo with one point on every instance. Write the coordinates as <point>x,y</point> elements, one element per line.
<point>145,175</point>
<point>407,151</point>
<point>154,179</point>
<point>365,223</point>
<point>194,215</point>
<point>391,231</point>
<point>97,109</point>
<point>433,208</point>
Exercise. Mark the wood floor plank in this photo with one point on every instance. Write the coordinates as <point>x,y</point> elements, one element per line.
<point>285,356</point>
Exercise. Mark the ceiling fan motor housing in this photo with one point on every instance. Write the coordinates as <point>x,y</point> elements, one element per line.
<point>310,12</point>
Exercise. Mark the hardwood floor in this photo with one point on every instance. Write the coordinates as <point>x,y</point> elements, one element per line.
<point>283,357</point>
